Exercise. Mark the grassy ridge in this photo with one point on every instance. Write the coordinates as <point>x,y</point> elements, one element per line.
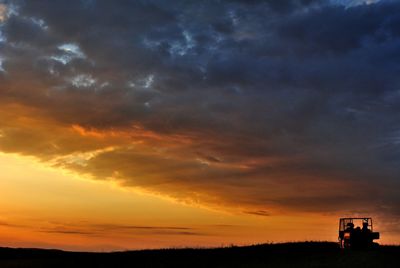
<point>307,254</point>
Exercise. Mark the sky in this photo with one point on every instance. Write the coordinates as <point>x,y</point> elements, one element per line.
<point>149,124</point>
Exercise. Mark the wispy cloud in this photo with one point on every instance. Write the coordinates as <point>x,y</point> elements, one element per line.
<point>116,229</point>
<point>9,224</point>
<point>259,213</point>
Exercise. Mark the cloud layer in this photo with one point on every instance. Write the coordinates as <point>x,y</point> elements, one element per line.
<point>264,105</point>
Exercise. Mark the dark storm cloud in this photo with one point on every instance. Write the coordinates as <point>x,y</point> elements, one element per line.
<point>266,104</point>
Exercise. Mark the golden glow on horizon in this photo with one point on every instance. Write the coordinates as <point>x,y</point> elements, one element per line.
<point>46,207</point>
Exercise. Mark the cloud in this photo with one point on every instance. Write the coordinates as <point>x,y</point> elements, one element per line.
<point>261,105</point>
<point>67,232</point>
<point>350,3</point>
<point>3,12</point>
<point>8,224</point>
<point>258,213</point>
<point>115,229</point>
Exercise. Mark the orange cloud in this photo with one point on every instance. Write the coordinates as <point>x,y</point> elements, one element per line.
<point>179,166</point>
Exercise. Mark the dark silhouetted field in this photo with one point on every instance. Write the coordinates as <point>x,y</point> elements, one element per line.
<point>308,254</point>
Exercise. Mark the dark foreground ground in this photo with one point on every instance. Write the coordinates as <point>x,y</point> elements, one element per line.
<point>310,254</point>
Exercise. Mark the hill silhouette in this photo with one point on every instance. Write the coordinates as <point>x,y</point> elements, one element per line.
<point>305,254</point>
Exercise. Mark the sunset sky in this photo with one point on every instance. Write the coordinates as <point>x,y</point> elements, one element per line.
<point>153,123</point>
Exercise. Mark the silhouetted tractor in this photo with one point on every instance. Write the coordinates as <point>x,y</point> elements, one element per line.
<point>357,233</point>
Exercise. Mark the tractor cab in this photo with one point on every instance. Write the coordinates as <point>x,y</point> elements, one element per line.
<point>357,233</point>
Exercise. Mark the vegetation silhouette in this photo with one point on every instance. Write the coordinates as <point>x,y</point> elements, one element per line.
<point>305,254</point>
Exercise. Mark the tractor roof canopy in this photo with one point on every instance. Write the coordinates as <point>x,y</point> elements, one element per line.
<point>358,221</point>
